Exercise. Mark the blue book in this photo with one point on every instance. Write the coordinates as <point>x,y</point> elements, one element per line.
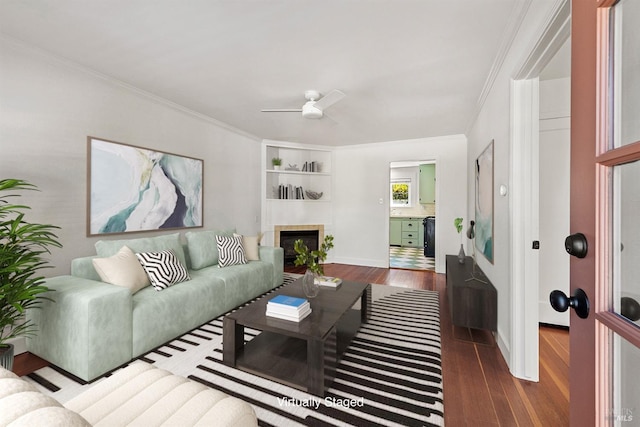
<point>288,301</point>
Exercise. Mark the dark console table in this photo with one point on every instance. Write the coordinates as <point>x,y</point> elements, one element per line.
<point>473,304</point>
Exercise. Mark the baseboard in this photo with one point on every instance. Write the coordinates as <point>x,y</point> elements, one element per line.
<point>362,262</point>
<point>554,326</point>
<point>504,347</point>
<point>19,345</point>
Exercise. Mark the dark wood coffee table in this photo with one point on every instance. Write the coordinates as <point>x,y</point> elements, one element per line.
<point>301,354</point>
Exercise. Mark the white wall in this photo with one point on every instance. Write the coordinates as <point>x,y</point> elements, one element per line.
<point>493,123</point>
<point>361,196</point>
<point>47,110</point>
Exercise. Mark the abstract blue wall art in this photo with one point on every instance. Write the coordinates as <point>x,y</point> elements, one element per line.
<point>484,202</point>
<point>136,189</point>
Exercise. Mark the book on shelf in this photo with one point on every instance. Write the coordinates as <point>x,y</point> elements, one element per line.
<point>289,192</point>
<point>329,281</point>
<point>311,167</point>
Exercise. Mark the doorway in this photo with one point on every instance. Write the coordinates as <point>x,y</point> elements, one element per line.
<point>523,356</point>
<point>412,208</point>
<point>554,181</point>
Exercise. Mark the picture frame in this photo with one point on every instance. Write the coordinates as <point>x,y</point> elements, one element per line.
<point>134,189</point>
<point>484,181</point>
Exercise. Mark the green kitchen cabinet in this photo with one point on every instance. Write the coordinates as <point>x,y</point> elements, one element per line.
<point>427,188</point>
<point>395,231</point>
<point>411,230</point>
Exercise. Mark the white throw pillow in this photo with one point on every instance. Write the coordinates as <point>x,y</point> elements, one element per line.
<point>163,268</point>
<point>231,251</point>
<point>251,247</point>
<point>122,269</point>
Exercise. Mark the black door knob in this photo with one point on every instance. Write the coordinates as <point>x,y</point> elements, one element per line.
<point>579,302</point>
<point>576,245</point>
<point>630,308</point>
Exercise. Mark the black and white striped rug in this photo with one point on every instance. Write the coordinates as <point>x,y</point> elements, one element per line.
<point>390,375</point>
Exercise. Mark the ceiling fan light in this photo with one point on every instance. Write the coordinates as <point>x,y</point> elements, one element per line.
<point>309,111</point>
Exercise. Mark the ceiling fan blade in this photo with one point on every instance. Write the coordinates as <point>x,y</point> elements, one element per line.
<point>329,99</point>
<point>283,110</point>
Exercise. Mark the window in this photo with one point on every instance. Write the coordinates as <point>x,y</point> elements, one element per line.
<point>401,193</point>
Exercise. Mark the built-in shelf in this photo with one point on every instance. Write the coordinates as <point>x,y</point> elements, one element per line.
<point>285,172</point>
<point>288,194</point>
<point>288,184</point>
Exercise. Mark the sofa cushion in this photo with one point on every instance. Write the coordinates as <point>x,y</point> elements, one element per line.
<point>163,268</point>
<point>231,251</point>
<point>203,251</point>
<point>242,282</point>
<point>105,248</point>
<point>122,269</point>
<point>161,316</point>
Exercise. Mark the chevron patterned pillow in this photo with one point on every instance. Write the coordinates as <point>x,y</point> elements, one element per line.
<point>163,268</point>
<point>231,251</point>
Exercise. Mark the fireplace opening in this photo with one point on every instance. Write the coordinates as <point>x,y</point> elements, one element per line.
<point>288,238</point>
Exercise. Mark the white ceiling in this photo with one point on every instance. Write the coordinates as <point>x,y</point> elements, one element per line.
<point>409,68</point>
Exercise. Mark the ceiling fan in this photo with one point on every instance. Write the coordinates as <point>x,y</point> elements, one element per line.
<point>315,105</point>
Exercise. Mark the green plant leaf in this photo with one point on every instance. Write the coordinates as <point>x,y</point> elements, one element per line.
<point>23,248</point>
<point>312,259</point>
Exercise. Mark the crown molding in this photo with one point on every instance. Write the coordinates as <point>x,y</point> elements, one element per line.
<point>518,14</point>
<point>556,31</point>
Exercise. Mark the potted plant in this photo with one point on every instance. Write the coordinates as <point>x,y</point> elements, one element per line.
<point>23,247</point>
<point>276,162</point>
<point>313,260</point>
<point>457,223</point>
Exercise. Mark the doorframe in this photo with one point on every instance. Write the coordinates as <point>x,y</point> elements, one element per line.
<point>431,159</point>
<point>524,201</point>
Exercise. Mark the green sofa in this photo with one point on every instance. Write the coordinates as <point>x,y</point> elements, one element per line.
<point>90,327</point>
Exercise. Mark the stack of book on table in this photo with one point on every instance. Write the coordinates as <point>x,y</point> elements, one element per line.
<point>329,281</point>
<point>288,308</point>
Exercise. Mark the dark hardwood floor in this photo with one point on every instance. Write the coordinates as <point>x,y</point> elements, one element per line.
<point>478,388</point>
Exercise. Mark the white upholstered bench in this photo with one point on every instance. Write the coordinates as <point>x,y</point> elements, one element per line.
<point>138,395</point>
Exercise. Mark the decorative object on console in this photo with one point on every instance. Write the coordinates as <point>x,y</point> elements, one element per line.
<point>484,202</point>
<point>313,260</point>
<point>471,234</point>
<point>23,247</point>
<point>458,224</point>
<point>138,189</point>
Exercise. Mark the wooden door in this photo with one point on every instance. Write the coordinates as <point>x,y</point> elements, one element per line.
<point>605,197</point>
